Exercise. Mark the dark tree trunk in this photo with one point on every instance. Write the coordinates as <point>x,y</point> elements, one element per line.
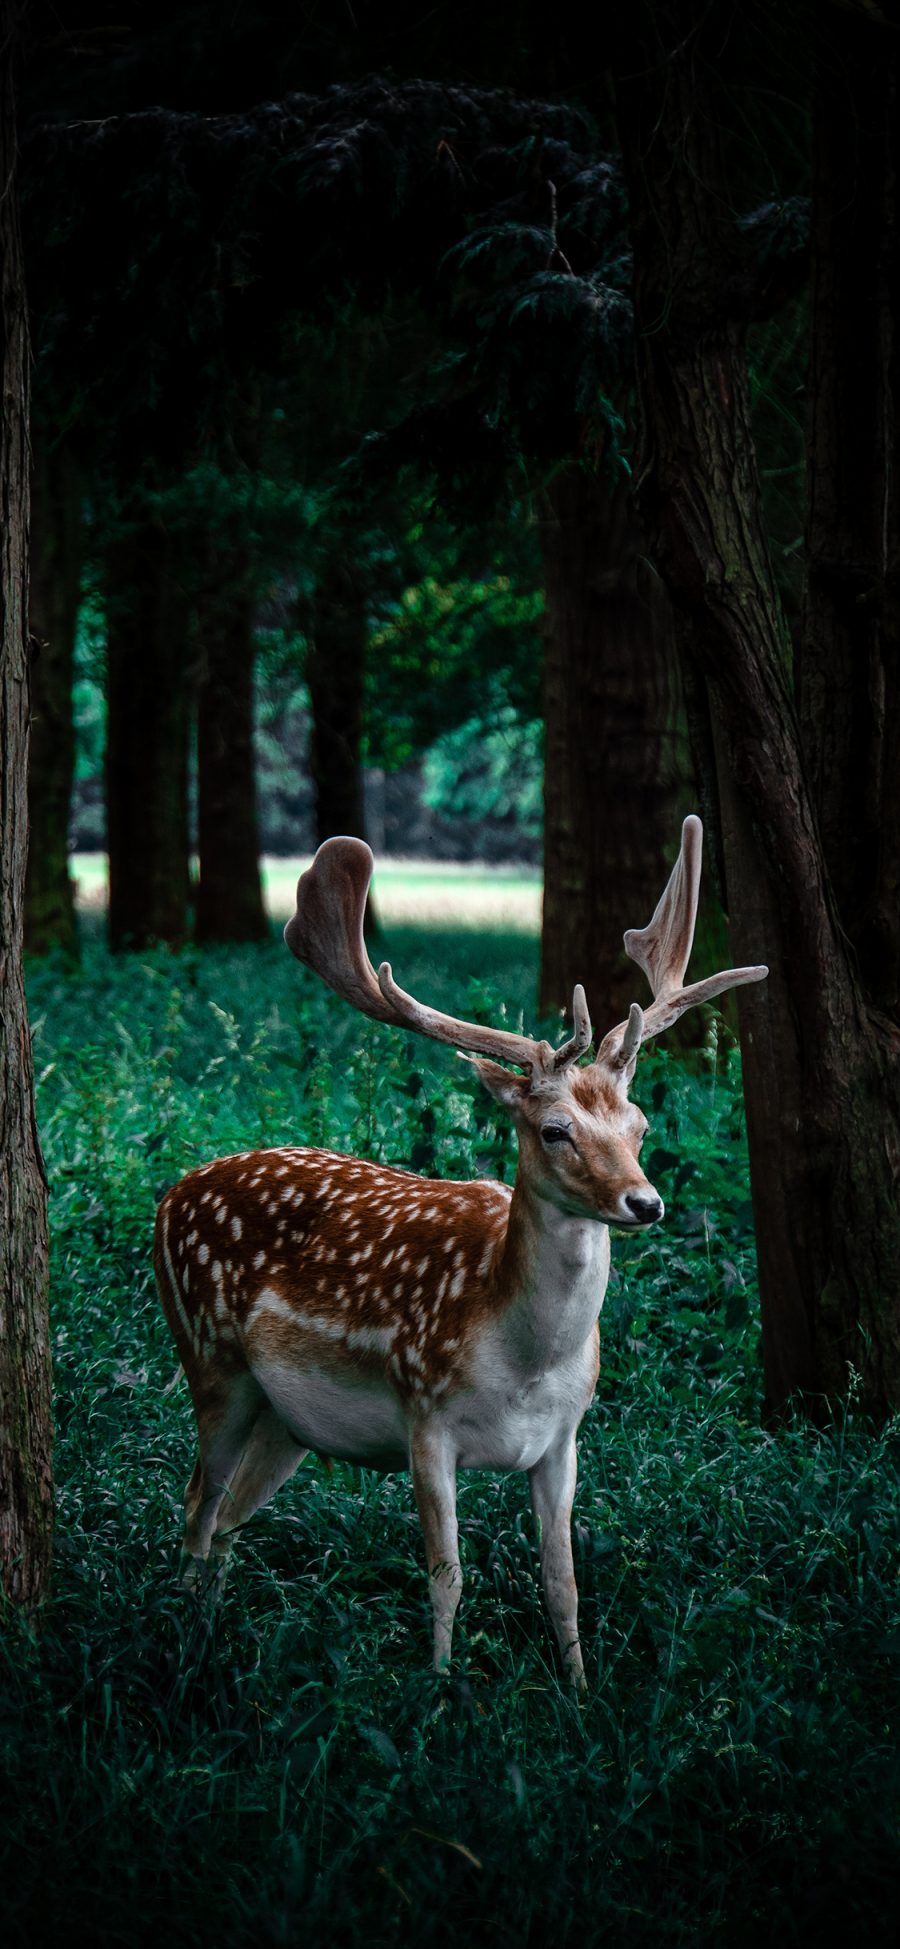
<point>26,1470</point>
<point>611,771</point>
<point>849,666</point>
<point>229,905</point>
<point>821,1068</point>
<point>148,616</point>
<point>335,674</point>
<point>55,564</point>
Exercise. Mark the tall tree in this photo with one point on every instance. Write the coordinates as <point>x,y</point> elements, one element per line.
<point>229,903</point>
<point>335,676</point>
<point>225,550</point>
<point>56,547</point>
<point>26,1481</point>
<point>148,718</point>
<point>821,1068</point>
<point>848,665</point>
<point>610,712</point>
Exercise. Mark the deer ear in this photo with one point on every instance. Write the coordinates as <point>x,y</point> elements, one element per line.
<point>506,1088</point>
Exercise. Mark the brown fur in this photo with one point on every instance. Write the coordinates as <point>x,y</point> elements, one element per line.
<point>354,1246</point>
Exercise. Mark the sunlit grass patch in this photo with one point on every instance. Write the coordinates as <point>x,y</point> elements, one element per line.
<point>429,893</point>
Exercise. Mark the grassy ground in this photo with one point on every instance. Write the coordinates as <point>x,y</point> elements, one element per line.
<point>298,1776</point>
<point>430,893</point>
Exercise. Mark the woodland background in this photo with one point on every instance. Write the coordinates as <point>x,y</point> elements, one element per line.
<point>478,431</point>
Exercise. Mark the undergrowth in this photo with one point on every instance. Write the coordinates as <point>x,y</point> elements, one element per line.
<point>294,1773</point>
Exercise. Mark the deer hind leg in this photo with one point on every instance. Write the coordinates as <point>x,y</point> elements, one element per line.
<point>434,1483</point>
<point>552,1483</point>
<point>269,1459</point>
<point>226,1411</point>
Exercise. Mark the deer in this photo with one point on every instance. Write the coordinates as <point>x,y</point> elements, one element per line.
<point>323,1304</point>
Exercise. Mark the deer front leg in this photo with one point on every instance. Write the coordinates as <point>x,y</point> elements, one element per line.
<point>552,1483</point>
<point>434,1483</point>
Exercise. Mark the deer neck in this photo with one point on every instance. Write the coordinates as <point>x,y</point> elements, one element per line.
<point>553,1275</point>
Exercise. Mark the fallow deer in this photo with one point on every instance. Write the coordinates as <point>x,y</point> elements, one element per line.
<point>322,1303</point>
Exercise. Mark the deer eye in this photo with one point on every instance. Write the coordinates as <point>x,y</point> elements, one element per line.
<point>556,1133</point>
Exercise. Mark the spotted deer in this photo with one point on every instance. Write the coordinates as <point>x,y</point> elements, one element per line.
<point>322,1303</point>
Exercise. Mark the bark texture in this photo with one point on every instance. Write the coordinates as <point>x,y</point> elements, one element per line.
<point>229,903</point>
<point>55,564</point>
<point>26,1479</point>
<point>611,784</point>
<point>148,619</point>
<point>335,674</point>
<point>849,665</point>
<point>820,1062</point>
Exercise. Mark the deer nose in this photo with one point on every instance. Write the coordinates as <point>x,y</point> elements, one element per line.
<point>644,1206</point>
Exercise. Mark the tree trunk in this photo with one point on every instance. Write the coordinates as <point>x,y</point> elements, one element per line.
<point>849,667</point>
<point>335,673</point>
<point>820,1064</point>
<point>147,736</point>
<point>229,903</point>
<point>611,767</point>
<point>26,1475</point>
<point>55,590</point>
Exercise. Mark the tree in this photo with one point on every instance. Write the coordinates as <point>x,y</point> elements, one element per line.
<point>335,675</point>
<point>148,715</point>
<point>55,563</point>
<point>225,547</point>
<point>819,1039</point>
<point>26,1482</point>
<point>611,774</point>
<point>229,903</point>
<point>849,664</point>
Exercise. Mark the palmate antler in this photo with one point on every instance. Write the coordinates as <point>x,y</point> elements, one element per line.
<point>326,933</point>
<point>663,950</point>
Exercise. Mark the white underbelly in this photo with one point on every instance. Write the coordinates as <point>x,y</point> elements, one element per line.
<point>500,1424</point>
<point>503,1439</point>
<point>353,1420</point>
<point>503,1422</point>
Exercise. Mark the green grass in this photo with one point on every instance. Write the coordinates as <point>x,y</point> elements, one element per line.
<point>437,893</point>
<point>297,1775</point>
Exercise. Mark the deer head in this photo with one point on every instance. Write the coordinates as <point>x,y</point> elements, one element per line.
<point>579,1134</point>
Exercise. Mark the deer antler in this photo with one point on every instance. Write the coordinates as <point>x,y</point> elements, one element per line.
<point>663,950</point>
<point>326,933</point>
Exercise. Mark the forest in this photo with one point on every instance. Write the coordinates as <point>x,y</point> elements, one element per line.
<point>475,432</point>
